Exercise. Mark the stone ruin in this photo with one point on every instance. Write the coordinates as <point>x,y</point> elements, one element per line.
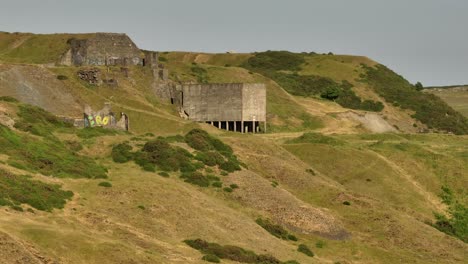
<point>102,49</point>
<point>235,107</point>
<point>103,118</point>
<point>91,76</point>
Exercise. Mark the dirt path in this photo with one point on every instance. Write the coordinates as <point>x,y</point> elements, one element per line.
<point>430,197</point>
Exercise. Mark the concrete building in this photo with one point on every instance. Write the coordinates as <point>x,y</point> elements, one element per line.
<point>233,106</point>
<point>102,49</point>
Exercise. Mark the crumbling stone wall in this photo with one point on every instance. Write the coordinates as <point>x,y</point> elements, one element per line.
<point>91,76</point>
<point>102,49</point>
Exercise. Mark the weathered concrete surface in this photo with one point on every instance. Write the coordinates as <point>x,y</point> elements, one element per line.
<point>102,49</point>
<point>224,102</point>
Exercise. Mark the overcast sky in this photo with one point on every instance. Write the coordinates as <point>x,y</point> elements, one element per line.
<point>423,40</point>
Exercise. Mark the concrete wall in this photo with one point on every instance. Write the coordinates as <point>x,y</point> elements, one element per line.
<point>224,102</point>
<point>254,102</point>
<point>212,102</point>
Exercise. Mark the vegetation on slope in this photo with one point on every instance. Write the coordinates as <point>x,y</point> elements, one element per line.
<point>276,230</point>
<point>41,151</point>
<point>283,67</point>
<point>457,223</point>
<point>34,48</point>
<point>428,108</point>
<point>16,190</point>
<point>233,253</point>
<point>160,154</point>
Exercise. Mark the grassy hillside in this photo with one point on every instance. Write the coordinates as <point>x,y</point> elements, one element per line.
<point>34,48</point>
<point>380,193</point>
<point>174,191</point>
<point>455,96</point>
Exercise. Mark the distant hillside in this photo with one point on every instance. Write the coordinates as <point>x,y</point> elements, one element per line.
<point>456,96</point>
<point>350,81</point>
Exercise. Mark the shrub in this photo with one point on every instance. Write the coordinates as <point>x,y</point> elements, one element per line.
<point>275,60</point>
<point>141,207</point>
<point>121,153</point>
<point>228,189</point>
<point>234,186</point>
<point>166,157</point>
<point>48,156</point>
<point>276,230</point>
<point>38,121</point>
<point>457,223</point>
<point>233,253</point>
<point>163,174</point>
<point>105,184</point>
<point>62,77</point>
<point>8,99</point>
<point>16,190</point>
<point>346,203</point>
<point>305,249</point>
<point>196,178</point>
<point>320,244</point>
<point>211,258</point>
<point>217,184</point>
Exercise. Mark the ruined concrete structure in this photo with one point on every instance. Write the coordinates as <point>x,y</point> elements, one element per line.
<point>102,118</point>
<point>102,49</point>
<point>233,106</point>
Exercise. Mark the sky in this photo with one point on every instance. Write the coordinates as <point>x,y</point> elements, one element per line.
<point>423,40</point>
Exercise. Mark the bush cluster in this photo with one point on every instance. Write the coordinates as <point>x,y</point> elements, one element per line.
<point>160,154</point>
<point>212,151</point>
<point>272,64</point>
<point>122,153</point>
<point>457,223</point>
<point>233,253</point>
<point>38,121</point>
<point>305,249</point>
<point>276,230</point>
<point>48,156</point>
<point>16,190</point>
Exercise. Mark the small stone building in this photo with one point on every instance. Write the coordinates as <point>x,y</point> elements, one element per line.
<point>102,49</point>
<point>231,106</point>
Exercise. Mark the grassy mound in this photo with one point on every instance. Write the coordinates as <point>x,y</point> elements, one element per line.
<point>16,190</point>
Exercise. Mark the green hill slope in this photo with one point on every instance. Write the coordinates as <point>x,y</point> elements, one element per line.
<point>158,192</point>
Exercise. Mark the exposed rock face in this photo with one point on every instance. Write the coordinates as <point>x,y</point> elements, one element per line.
<point>102,49</point>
